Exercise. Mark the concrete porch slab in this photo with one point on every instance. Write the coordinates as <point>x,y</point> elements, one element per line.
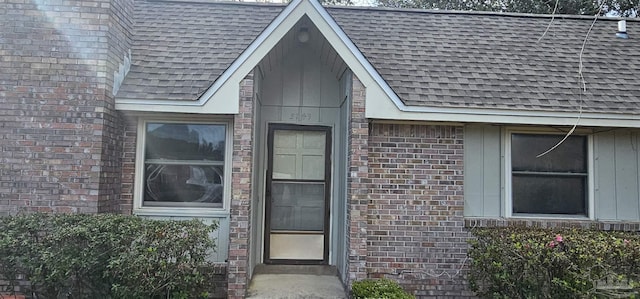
<point>296,286</point>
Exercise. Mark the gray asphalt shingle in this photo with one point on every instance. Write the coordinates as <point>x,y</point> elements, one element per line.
<point>481,60</point>
<point>180,48</point>
<point>430,59</point>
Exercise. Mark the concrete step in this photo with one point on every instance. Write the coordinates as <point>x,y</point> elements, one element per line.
<point>296,282</point>
<point>296,269</point>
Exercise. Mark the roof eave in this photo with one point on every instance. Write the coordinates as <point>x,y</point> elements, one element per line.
<point>376,109</point>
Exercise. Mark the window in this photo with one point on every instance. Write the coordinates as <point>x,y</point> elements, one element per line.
<point>554,184</point>
<point>184,165</point>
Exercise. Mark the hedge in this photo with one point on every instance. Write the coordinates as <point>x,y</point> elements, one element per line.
<point>378,289</point>
<point>521,262</point>
<point>105,256</point>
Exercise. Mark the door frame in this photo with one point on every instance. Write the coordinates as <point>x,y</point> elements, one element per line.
<point>272,127</point>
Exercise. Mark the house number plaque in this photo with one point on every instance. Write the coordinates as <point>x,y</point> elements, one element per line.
<point>301,116</point>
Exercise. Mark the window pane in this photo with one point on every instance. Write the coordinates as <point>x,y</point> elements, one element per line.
<point>299,154</point>
<point>183,185</point>
<point>549,194</point>
<point>297,206</point>
<point>570,156</point>
<point>185,142</point>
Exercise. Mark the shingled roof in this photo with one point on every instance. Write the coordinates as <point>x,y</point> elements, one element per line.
<point>180,48</point>
<point>428,58</point>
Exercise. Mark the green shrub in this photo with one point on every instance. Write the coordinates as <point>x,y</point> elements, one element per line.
<point>105,256</point>
<point>378,289</point>
<point>520,262</point>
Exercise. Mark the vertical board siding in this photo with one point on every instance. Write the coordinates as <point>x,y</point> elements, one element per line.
<point>482,171</point>
<point>636,148</point>
<point>616,171</point>
<point>221,235</point>
<point>272,89</point>
<point>492,171</point>
<point>617,178</point>
<point>605,176</point>
<point>330,95</point>
<point>292,75</point>
<point>300,82</point>
<point>310,81</point>
<point>303,89</point>
<point>626,176</point>
<point>473,171</point>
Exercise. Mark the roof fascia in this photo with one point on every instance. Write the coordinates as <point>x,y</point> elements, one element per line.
<point>387,111</point>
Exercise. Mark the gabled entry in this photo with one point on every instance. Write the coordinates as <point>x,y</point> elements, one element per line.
<point>302,111</point>
<point>297,194</point>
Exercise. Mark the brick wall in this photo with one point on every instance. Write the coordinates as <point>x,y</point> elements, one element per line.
<point>241,188</point>
<point>120,20</point>
<point>128,164</point>
<point>357,184</point>
<point>415,224</point>
<point>60,149</point>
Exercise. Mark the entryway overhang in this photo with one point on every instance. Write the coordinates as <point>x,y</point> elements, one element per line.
<point>223,96</point>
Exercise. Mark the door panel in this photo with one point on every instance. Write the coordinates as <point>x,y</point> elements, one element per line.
<point>297,194</point>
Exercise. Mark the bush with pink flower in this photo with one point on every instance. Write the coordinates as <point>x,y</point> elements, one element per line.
<point>525,262</point>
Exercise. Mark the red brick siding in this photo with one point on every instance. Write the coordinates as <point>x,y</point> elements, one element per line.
<point>357,185</point>
<point>120,20</point>
<point>415,224</point>
<point>60,149</point>
<point>219,286</point>
<point>128,164</point>
<point>241,186</point>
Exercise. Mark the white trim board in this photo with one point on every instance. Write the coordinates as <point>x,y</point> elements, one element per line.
<point>386,110</point>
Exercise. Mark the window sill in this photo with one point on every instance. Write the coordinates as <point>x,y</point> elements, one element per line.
<point>182,212</point>
<point>524,216</point>
<point>582,222</point>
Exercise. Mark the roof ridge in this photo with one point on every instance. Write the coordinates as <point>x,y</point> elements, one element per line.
<point>477,12</point>
<point>221,2</point>
<point>406,10</point>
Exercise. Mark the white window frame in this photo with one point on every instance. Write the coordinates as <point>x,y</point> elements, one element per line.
<point>508,195</point>
<point>140,209</point>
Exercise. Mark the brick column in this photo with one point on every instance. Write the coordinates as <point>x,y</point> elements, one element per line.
<point>357,188</point>
<point>129,143</point>
<point>240,222</point>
